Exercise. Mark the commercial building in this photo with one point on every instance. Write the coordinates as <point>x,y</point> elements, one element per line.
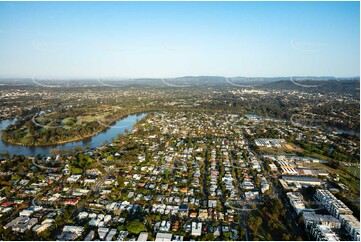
<point>303,180</point>
<point>312,219</point>
<point>312,172</point>
<point>273,167</point>
<point>296,200</point>
<point>352,226</point>
<point>269,142</point>
<point>289,171</point>
<point>331,203</point>
<point>338,209</point>
<point>323,233</point>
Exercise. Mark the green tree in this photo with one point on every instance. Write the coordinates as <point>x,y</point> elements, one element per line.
<point>254,224</point>
<point>45,234</point>
<point>243,234</point>
<point>286,237</point>
<point>136,227</point>
<point>227,236</point>
<point>209,237</point>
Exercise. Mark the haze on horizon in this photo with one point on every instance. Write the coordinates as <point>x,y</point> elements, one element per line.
<point>169,39</point>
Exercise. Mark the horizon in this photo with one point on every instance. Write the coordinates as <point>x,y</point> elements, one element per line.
<point>176,39</point>
<point>49,78</point>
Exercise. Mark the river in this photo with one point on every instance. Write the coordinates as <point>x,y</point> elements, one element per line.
<point>95,141</point>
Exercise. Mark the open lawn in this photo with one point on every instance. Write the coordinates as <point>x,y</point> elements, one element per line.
<point>70,125</point>
<point>345,177</point>
<point>354,171</point>
<point>292,147</point>
<point>87,119</point>
<point>318,156</point>
<point>286,149</point>
<point>275,151</point>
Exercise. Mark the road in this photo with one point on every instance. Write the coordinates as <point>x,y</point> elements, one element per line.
<point>43,167</point>
<point>244,210</point>
<point>291,215</point>
<point>205,175</point>
<point>94,188</point>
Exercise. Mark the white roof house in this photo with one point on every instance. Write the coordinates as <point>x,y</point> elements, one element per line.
<point>143,236</point>
<point>196,229</point>
<point>163,237</point>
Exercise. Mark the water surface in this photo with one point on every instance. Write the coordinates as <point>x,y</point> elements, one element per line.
<point>95,141</point>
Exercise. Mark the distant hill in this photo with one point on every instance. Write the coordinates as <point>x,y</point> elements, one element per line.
<point>338,86</point>
<point>306,83</point>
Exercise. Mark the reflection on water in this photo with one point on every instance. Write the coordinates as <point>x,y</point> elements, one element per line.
<point>107,135</point>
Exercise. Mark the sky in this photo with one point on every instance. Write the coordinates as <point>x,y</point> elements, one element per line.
<point>171,39</point>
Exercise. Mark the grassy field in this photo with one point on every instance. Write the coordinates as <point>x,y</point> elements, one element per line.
<point>286,149</point>
<point>275,151</point>
<point>76,124</point>
<point>97,115</point>
<point>318,156</point>
<point>292,147</point>
<point>353,171</point>
<point>86,119</point>
<point>345,177</point>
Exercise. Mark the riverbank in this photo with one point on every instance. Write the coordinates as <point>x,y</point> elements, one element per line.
<point>126,123</point>
<point>103,128</point>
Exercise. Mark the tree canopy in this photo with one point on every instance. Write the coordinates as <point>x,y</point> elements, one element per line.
<point>136,227</point>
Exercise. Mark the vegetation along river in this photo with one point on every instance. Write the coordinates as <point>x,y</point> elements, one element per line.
<point>97,140</point>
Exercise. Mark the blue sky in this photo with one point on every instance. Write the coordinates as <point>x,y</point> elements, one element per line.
<point>168,39</point>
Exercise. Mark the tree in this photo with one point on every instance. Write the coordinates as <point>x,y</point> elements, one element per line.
<point>209,237</point>
<point>286,237</point>
<point>136,227</point>
<point>226,235</point>
<point>82,162</point>
<point>45,234</point>
<point>274,208</point>
<point>7,156</point>
<point>243,233</point>
<point>254,224</point>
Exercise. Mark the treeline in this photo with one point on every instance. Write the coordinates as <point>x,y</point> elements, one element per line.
<point>31,134</point>
<point>333,152</point>
<point>271,222</point>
